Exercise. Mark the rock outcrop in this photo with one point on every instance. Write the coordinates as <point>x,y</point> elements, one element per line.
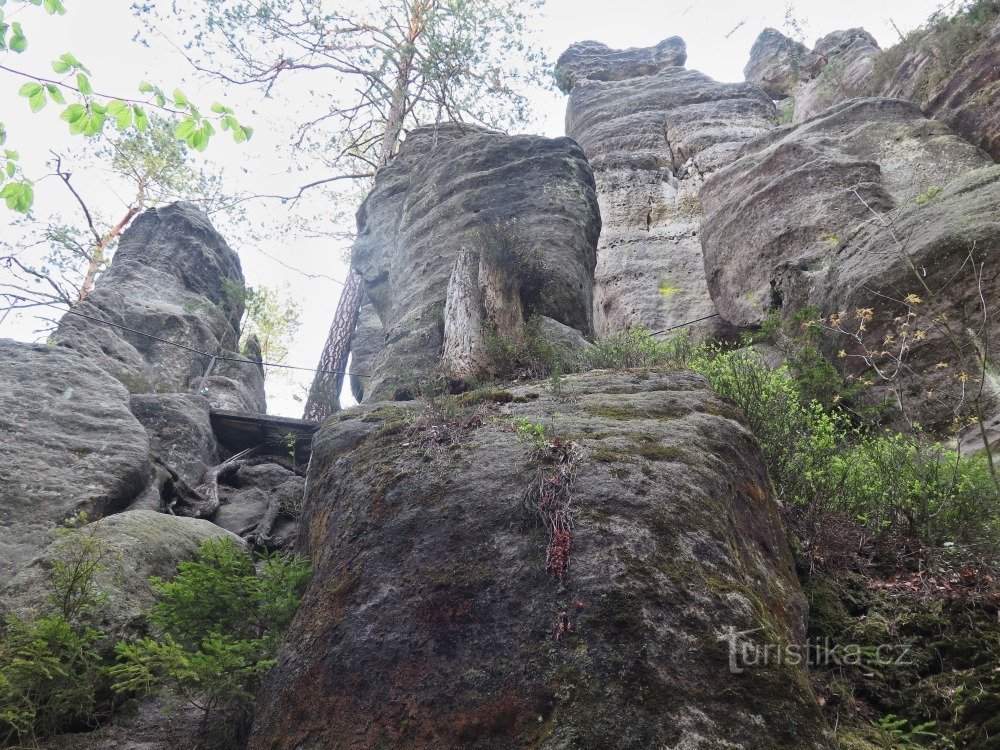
<point>454,190</point>
<point>848,59</point>
<point>435,617</point>
<point>652,134</point>
<point>70,445</point>
<point>832,213</point>
<point>954,77</point>
<point>951,68</point>
<point>175,278</point>
<point>130,547</point>
<point>779,65</point>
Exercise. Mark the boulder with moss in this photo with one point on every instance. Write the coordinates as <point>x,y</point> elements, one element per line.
<point>538,569</point>
<point>126,549</point>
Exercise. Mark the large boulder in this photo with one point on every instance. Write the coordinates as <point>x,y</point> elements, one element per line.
<point>70,444</point>
<point>952,239</point>
<point>444,200</point>
<point>848,59</point>
<point>779,65</point>
<point>129,548</point>
<point>444,612</point>
<point>180,431</point>
<point>652,134</point>
<point>174,278</point>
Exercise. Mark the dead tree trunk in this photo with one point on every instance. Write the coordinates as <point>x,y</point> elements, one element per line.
<point>484,299</point>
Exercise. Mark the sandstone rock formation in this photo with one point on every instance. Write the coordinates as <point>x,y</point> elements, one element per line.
<point>848,59</point>
<point>131,547</point>
<point>833,213</point>
<point>173,276</point>
<point>432,620</point>
<point>954,80</point>
<point>70,444</point>
<point>449,190</point>
<point>950,68</point>
<point>652,133</point>
<point>779,65</point>
<point>78,441</point>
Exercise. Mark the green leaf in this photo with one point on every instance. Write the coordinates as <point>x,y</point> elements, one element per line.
<point>141,121</point>
<point>73,113</point>
<point>185,128</point>
<point>180,100</point>
<point>38,102</point>
<point>55,93</point>
<point>10,153</point>
<point>83,83</point>
<point>29,90</point>
<point>18,195</point>
<point>18,42</point>
<point>11,168</point>
<point>124,119</point>
<point>146,87</point>
<point>73,63</point>
<point>115,106</point>
<point>54,7</point>
<point>61,67</point>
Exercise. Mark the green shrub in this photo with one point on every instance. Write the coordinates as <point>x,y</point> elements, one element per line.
<point>826,468</point>
<point>531,355</point>
<point>636,348</point>
<point>53,674</point>
<point>220,621</point>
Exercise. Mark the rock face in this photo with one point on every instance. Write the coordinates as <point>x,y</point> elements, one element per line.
<point>70,444</point>
<point>956,82</point>
<point>433,619</point>
<point>951,68</point>
<point>779,65</point>
<point>445,193</point>
<point>940,236</point>
<point>594,61</point>
<point>792,223</point>
<point>173,276</point>
<point>848,61</point>
<point>133,546</point>
<point>652,136</point>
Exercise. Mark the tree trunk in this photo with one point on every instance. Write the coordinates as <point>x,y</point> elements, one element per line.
<point>324,395</point>
<point>97,257</point>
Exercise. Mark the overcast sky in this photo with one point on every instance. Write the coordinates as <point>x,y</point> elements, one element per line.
<point>719,34</point>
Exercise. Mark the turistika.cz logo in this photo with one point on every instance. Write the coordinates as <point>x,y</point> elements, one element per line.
<point>745,653</point>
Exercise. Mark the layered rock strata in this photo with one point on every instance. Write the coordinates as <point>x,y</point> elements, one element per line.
<point>653,131</point>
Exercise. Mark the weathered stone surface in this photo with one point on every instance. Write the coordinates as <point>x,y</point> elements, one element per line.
<point>779,65</point>
<point>773,220</point>
<point>431,620</point>
<point>69,444</point>
<point>153,724</point>
<point>180,431</point>
<point>848,58</point>
<point>446,187</point>
<point>939,236</point>
<point>133,546</point>
<point>955,81</point>
<point>651,140</point>
<point>595,61</point>
<point>248,496</point>
<point>367,342</point>
<point>173,276</point>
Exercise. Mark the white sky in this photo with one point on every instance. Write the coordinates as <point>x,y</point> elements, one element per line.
<point>98,32</point>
